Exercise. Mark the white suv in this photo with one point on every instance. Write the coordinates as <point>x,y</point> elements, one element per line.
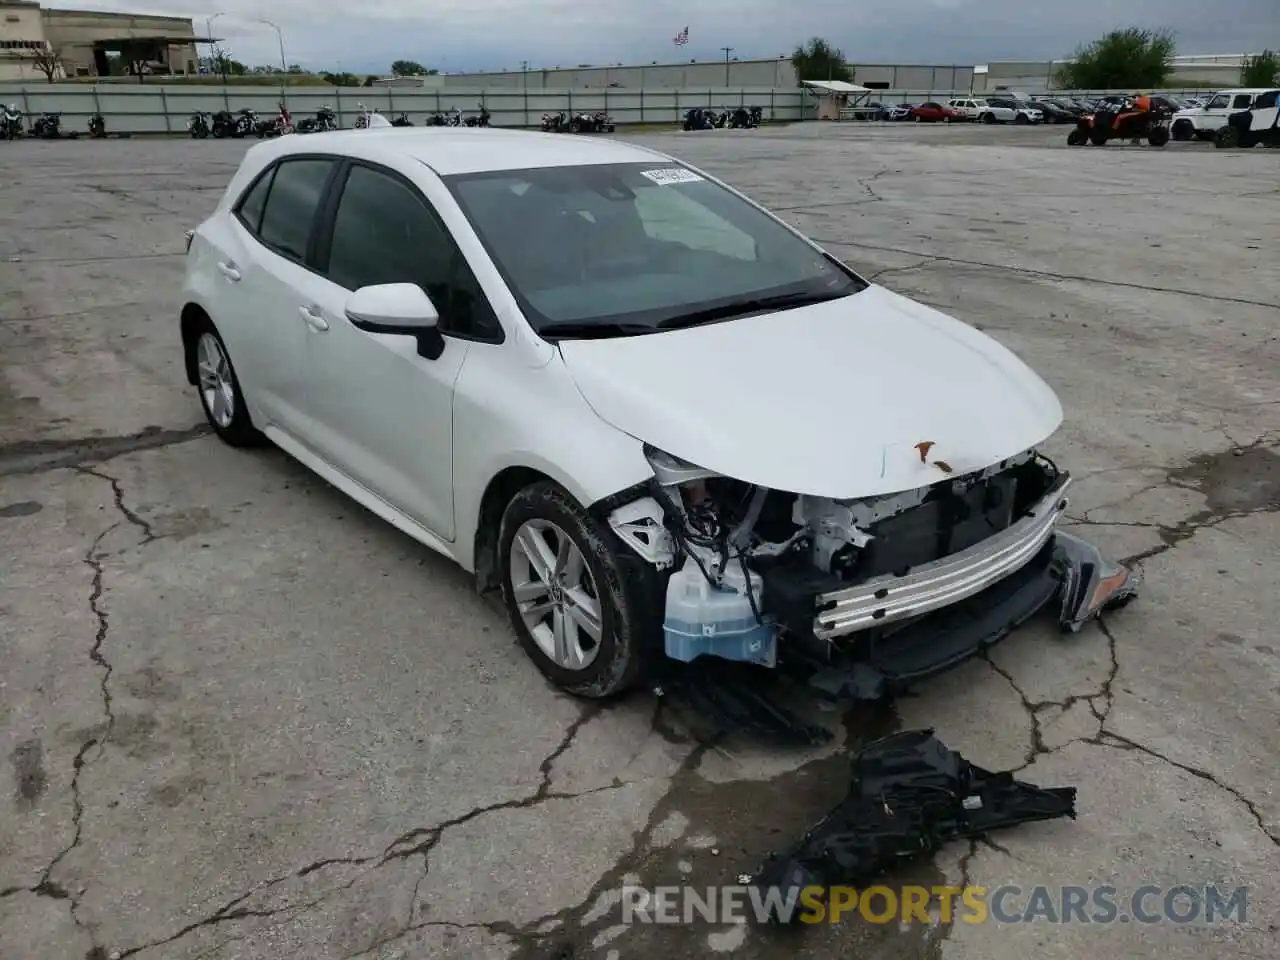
<point>1201,123</point>
<point>981,110</point>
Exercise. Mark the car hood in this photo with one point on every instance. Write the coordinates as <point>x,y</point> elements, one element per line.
<point>828,400</point>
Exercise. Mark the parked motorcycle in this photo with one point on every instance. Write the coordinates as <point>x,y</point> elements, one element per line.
<point>554,122</point>
<point>277,126</point>
<point>482,120</point>
<point>596,122</point>
<point>325,119</point>
<point>200,124</point>
<point>742,119</point>
<point>247,122</point>
<point>402,121</point>
<point>97,126</point>
<point>48,126</point>
<point>699,118</point>
<point>223,124</point>
<point>11,122</point>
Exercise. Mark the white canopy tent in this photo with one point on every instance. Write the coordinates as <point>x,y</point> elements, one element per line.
<point>835,96</point>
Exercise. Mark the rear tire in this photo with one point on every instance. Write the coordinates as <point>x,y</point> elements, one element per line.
<point>1021,119</point>
<point>219,389</point>
<point>1183,130</point>
<point>1098,138</point>
<point>988,118</point>
<point>1076,138</point>
<point>586,577</point>
<point>1158,137</point>
<point>1226,138</point>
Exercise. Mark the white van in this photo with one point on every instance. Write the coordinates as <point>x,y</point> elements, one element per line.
<point>1201,123</point>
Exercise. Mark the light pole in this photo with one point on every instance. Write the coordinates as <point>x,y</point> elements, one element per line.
<point>208,29</point>
<point>727,51</point>
<point>284,65</point>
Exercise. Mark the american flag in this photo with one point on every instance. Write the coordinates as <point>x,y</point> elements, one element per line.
<point>682,37</point>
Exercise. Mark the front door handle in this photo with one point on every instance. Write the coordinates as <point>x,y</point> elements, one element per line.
<point>314,320</point>
<point>229,270</point>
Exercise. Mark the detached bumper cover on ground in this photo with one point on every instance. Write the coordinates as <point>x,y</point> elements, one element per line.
<point>909,796</point>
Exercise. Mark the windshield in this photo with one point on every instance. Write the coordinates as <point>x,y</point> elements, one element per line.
<point>627,248</point>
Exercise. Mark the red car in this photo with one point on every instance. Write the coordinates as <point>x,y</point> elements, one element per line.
<point>933,112</point>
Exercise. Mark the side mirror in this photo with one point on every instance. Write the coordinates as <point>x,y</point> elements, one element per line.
<point>399,309</point>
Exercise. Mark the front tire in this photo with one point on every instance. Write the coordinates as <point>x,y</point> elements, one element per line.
<point>583,607</point>
<point>1158,137</point>
<point>220,395</point>
<point>1183,130</point>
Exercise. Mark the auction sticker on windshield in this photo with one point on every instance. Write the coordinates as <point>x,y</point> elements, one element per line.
<point>671,175</point>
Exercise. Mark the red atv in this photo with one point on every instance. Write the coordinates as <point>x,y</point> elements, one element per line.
<point>1136,119</point>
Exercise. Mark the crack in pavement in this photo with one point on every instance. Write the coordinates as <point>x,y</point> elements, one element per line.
<point>1048,274</point>
<point>1108,738</point>
<point>47,886</point>
<point>41,456</point>
<point>863,182</point>
<point>1209,475</point>
<point>423,840</point>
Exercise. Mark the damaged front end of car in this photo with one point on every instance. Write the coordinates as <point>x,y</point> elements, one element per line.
<point>864,597</point>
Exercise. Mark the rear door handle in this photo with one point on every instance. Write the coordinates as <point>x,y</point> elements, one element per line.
<point>314,320</point>
<point>229,270</point>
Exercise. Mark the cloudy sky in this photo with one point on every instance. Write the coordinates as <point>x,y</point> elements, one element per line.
<point>455,35</point>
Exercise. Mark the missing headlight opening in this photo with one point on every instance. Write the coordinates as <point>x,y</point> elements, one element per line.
<point>864,596</point>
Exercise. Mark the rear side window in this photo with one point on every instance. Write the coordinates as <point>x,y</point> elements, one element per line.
<point>250,209</point>
<point>1266,100</point>
<point>291,205</point>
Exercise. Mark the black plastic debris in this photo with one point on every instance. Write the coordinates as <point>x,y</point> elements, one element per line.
<point>910,794</point>
<point>737,698</point>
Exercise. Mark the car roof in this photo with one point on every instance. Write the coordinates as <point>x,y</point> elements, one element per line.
<point>456,150</point>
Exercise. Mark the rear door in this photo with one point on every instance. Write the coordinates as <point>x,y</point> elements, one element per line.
<point>273,227</point>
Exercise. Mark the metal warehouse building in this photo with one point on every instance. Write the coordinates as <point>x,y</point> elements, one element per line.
<point>715,73</point>
<point>1032,76</point>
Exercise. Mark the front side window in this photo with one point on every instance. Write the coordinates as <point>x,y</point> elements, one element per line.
<point>1242,101</point>
<point>1218,102</point>
<point>291,205</point>
<point>642,245</point>
<point>384,233</point>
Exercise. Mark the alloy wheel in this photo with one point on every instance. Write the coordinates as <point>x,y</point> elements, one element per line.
<point>556,594</point>
<point>217,389</point>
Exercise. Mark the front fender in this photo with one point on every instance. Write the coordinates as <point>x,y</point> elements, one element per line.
<point>507,415</point>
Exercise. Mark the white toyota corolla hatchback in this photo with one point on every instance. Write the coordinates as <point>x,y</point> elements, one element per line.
<point>664,422</point>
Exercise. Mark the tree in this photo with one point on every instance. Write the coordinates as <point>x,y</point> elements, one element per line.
<point>410,68</point>
<point>1128,59</point>
<point>819,60</point>
<point>341,79</point>
<point>1262,70</point>
<point>47,60</point>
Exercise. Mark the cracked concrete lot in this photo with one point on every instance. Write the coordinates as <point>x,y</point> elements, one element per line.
<point>244,719</point>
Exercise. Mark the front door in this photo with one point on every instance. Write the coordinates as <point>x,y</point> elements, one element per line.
<point>380,412</point>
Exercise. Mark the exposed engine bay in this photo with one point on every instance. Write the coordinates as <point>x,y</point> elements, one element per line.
<point>835,579</point>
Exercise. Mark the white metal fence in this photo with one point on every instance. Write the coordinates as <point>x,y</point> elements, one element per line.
<point>166,108</point>
<point>160,108</point>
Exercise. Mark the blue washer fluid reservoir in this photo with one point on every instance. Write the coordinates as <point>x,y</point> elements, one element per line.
<point>702,619</point>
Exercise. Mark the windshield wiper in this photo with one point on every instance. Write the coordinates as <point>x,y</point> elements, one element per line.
<point>587,330</point>
<point>740,308</point>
